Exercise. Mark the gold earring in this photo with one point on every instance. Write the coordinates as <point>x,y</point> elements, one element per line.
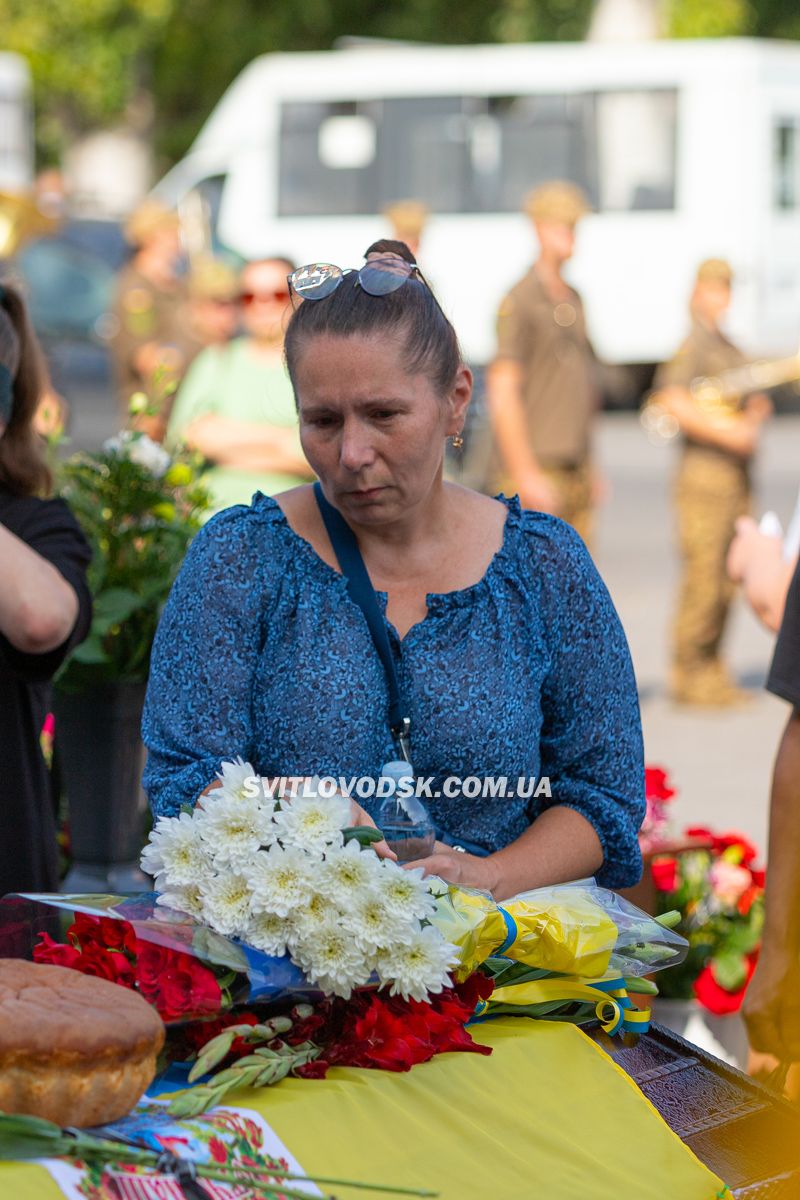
<point>457,440</point>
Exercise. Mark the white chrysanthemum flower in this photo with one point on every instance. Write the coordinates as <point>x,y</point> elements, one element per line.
<point>418,967</point>
<point>313,822</point>
<point>269,933</point>
<point>175,851</point>
<point>240,781</point>
<point>226,903</point>
<point>405,892</point>
<point>346,873</point>
<point>280,880</point>
<point>234,830</point>
<point>373,926</point>
<point>308,918</point>
<point>331,958</point>
<point>183,900</point>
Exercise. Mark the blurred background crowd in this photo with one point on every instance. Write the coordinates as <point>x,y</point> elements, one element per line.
<point>606,199</point>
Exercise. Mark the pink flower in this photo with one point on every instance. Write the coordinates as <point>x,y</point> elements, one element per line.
<point>729,881</point>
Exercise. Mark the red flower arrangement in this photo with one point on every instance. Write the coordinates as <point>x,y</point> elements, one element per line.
<point>177,984</point>
<point>719,892</point>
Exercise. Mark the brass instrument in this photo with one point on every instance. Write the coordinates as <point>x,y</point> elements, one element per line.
<point>21,219</point>
<point>720,395</point>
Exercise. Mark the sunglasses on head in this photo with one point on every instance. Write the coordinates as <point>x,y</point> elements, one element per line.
<point>379,276</point>
<point>279,295</point>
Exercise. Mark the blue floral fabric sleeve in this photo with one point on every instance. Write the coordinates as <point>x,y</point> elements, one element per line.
<point>591,737</point>
<point>205,662</point>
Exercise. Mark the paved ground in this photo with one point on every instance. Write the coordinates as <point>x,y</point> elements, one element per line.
<point>719,761</point>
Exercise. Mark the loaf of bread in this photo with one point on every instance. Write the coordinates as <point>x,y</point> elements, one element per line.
<point>73,1049</point>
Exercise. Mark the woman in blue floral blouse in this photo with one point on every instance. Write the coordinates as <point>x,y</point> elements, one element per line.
<point>511,659</point>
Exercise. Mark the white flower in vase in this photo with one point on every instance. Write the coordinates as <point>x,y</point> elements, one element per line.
<point>234,830</point>
<point>176,852</point>
<point>313,822</point>
<point>226,903</point>
<point>331,958</point>
<point>280,880</point>
<point>419,966</point>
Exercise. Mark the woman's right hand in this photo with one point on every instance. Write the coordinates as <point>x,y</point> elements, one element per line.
<point>359,817</point>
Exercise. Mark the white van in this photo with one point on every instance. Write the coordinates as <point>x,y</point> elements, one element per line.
<point>16,124</point>
<point>687,149</point>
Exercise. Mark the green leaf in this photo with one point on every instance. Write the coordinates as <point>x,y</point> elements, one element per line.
<point>365,835</point>
<point>730,971</point>
<point>91,651</point>
<point>115,605</point>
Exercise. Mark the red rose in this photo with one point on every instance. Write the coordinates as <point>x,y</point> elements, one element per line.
<point>655,784</point>
<point>175,983</point>
<point>109,932</point>
<point>57,953</point>
<point>759,876</point>
<point>106,964</point>
<point>665,874</point>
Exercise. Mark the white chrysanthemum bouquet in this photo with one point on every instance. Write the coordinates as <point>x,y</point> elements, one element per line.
<point>287,875</point>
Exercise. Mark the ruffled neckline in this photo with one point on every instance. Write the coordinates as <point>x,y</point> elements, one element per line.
<point>435,601</point>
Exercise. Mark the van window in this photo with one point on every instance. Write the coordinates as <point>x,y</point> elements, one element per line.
<point>786,175</point>
<point>474,154</point>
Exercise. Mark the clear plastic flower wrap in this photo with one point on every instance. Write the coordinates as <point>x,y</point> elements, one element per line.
<point>186,970</point>
<point>571,929</point>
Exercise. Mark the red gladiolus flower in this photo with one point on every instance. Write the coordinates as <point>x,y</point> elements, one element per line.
<point>665,874</point>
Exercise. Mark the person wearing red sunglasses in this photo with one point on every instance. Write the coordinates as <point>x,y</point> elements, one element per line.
<point>236,405</point>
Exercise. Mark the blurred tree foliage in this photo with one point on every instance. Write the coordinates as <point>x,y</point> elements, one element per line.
<point>159,66</point>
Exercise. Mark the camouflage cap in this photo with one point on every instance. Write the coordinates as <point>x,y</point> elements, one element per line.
<point>408,217</point>
<point>150,217</point>
<point>715,270</point>
<point>212,279</point>
<point>558,201</point>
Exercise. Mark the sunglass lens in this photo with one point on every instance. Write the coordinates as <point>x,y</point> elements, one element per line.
<point>382,276</point>
<point>316,281</point>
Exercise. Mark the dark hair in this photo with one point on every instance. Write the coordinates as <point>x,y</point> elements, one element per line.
<point>412,311</point>
<point>23,469</point>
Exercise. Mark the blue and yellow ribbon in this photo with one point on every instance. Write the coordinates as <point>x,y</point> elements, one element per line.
<point>614,1008</point>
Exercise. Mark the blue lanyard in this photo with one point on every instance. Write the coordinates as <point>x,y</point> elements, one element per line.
<point>360,587</point>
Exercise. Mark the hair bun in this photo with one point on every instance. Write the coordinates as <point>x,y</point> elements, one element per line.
<point>389,246</point>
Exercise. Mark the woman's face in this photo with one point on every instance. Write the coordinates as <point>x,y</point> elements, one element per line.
<point>372,432</point>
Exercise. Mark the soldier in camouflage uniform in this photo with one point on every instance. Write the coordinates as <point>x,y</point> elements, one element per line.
<point>712,490</point>
<point>153,342</point>
<point>542,386</point>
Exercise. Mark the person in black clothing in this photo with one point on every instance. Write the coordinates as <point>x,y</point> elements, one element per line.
<point>772,1004</point>
<point>45,608</point>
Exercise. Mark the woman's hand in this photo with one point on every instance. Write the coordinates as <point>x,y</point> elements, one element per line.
<point>771,1007</point>
<point>454,866</point>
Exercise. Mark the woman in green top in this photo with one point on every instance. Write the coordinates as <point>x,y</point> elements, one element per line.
<point>236,406</point>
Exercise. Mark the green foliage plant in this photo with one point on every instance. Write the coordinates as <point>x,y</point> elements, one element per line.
<point>139,509</point>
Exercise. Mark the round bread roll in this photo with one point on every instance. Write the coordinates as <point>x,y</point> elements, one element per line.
<point>73,1049</point>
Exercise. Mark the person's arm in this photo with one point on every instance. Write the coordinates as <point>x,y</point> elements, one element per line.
<point>590,742</point>
<point>246,444</point>
<point>737,435</point>
<point>507,416</point>
<point>755,560</point>
<point>206,659</point>
<point>38,607</point>
<point>772,1003</point>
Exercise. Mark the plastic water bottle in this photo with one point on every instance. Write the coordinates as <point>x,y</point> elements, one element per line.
<point>403,818</point>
